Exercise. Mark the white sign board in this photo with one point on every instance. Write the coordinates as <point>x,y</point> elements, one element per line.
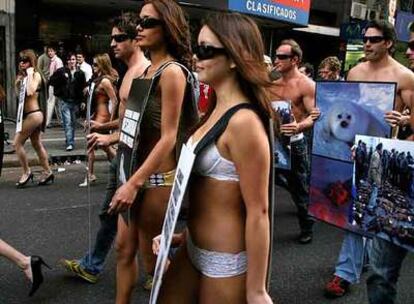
<point>20,109</point>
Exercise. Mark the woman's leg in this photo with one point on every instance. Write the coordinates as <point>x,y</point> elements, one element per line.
<point>150,220</point>
<point>126,260</point>
<point>91,161</point>
<point>36,139</point>
<point>181,281</point>
<point>30,124</point>
<point>223,290</point>
<point>18,258</point>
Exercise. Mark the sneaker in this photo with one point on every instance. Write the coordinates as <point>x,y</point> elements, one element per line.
<point>337,287</point>
<point>69,148</point>
<point>74,267</point>
<point>148,282</point>
<point>305,238</point>
<point>92,179</point>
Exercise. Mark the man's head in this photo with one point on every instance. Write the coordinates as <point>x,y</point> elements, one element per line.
<point>288,56</point>
<point>51,51</point>
<point>123,35</point>
<point>379,40</point>
<point>329,68</point>
<point>307,69</point>
<point>379,147</point>
<point>410,49</point>
<point>80,57</point>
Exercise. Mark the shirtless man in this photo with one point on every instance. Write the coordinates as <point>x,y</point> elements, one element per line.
<point>379,66</point>
<point>300,91</point>
<point>124,46</point>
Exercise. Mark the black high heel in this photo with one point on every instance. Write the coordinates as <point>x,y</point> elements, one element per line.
<point>20,184</point>
<point>36,263</point>
<point>49,178</point>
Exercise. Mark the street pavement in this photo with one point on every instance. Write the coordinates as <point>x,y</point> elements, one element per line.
<point>60,220</point>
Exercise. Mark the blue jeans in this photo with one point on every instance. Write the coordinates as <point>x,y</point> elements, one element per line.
<point>385,259</point>
<point>69,110</point>
<point>298,183</point>
<point>351,257</point>
<point>94,262</point>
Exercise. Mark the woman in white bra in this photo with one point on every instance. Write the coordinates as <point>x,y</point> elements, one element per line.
<point>224,254</point>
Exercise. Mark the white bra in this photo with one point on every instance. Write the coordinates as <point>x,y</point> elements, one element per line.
<point>210,163</point>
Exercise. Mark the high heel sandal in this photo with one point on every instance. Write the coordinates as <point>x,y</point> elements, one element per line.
<point>20,184</point>
<point>36,263</point>
<point>49,178</point>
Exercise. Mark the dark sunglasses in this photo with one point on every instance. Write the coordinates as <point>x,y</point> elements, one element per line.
<point>411,45</point>
<point>24,59</point>
<point>204,52</point>
<point>373,39</point>
<point>283,56</point>
<point>147,23</point>
<point>120,37</point>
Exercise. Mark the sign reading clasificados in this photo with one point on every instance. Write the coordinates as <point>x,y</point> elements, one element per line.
<point>292,11</point>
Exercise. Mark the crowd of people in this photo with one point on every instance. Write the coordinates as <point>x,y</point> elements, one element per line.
<point>223,253</point>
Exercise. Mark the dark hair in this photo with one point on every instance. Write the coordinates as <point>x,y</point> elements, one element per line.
<point>296,50</point>
<point>176,29</point>
<point>52,45</point>
<point>79,52</point>
<point>309,69</point>
<point>387,30</point>
<point>70,54</point>
<point>126,23</point>
<point>243,43</point>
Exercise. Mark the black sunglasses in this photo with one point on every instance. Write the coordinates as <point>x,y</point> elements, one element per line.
<point>148,22</point>
<point>411,45</point>
<point>120,37</point>
<point>24,59</point>
<point>95,64</point>
<point>373,39</point>
<point>204,52</point>
<point>283,56</point>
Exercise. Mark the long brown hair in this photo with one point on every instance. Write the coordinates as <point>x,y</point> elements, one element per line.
<point>242,41</point>
<point>105,66</point>
<point>176,29</point>
<point>31,55</point>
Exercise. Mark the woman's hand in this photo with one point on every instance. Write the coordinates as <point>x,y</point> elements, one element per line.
<point>393,118</point>
<point>261,297</point>
<point>156,243</point>
<point>123,199</point>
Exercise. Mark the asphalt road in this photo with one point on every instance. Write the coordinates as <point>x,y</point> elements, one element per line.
<point>53,221</point>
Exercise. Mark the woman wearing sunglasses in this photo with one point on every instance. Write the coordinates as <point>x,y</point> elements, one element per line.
<point>163,32</point>
<point>33,119</point>
<point>103,108</point>
<point>224,257</point>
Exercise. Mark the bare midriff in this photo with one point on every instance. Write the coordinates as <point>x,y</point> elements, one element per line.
<point>102,113</point>
<point>31,103</point>
<point>216,215</point>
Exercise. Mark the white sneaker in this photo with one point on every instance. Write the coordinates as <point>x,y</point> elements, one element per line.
<point>69,148</point>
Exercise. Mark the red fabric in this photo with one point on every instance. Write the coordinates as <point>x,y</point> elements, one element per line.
<point>205,94</point>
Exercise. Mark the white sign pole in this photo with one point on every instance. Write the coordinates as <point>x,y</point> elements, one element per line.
<point>182,175</point>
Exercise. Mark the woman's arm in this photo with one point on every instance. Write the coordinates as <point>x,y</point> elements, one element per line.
<point>172,84</point>
<point>33,81</point>
<point>253,168</point>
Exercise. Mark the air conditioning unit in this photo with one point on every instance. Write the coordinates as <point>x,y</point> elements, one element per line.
<point>372,14</point>
<point>358,10</point>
